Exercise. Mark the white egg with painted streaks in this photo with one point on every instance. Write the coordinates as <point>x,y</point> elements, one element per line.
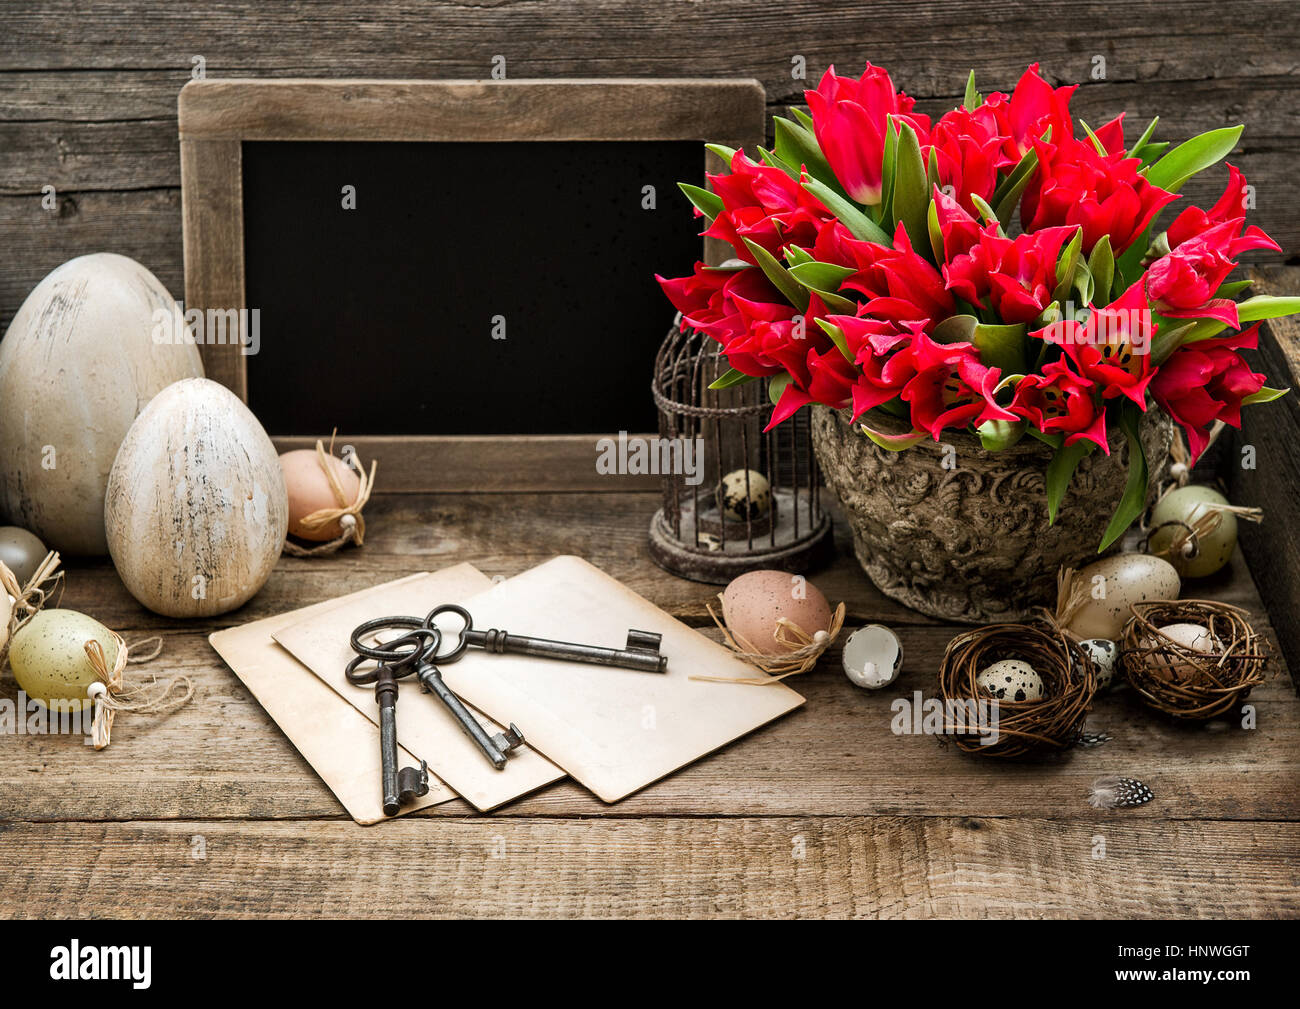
<point>77,364</point>
<point>1112,585</point>
<point>1011,680</point>
<point>196,510</point>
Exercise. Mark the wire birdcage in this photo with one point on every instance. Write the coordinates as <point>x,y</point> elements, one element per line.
<point>750,499</point>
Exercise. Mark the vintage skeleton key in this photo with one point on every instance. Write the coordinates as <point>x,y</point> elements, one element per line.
<point>403,786</point>
<point>424,641</point>
<point>642,651</point>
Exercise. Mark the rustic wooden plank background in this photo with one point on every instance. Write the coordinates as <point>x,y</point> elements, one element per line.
<point>212,811</point>
<point>88,89</point>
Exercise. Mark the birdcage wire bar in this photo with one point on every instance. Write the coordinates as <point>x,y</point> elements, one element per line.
<point>780,525</point>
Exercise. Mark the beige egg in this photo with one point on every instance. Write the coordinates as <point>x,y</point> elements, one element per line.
<point>309,490</point>
<point>83,355</point>
<point>1192,637</point>
<point>49,658</point>
<point>1113,584</point>
<point>753,603</point>
<point>196,510</point>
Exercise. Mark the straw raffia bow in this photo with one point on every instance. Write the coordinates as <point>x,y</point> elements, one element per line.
<point>346,514</point>
<point>803,649</point>
<point>115,693</point>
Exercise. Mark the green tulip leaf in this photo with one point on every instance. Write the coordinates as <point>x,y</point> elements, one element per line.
<point>779,276</point>
<point>707,203</point>
<point>1066,267</point>
<point>1143,140</point>
<point>1134,501</point>
<point>999,346</point>
<point>1196,155</point>
<point>730,378</point>
<point>1265,395</point>
<point>1060,471</point>
<point>722,151</point>
<point>797,145</point>
<point>859,224</point>
<point>837,337</point>
<point>911,199</point>
<point>1101,265</point>
<point>895,442</point>
<point>776,387</point>
<point>973,98</point>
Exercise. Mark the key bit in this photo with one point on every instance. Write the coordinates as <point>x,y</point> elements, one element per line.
<point>510,740</point>
<point>412,782</point>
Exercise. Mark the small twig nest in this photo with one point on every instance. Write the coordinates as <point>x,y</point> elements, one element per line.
<point>1024,728</point>
<point>1182,681</point>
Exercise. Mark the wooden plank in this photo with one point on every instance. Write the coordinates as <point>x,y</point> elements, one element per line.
<point>551,38</point>
<point>1272,432</point>
<point>504,534</point>
<point>213,215</point>
<point>222,758</point>
<point>475,110</point>
<point>869,867</point>
<point>144,225</point>
<point>494,463</point>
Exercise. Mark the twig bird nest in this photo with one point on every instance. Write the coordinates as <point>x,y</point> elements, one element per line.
<point>1028,727</point>
<point>1192,658</point>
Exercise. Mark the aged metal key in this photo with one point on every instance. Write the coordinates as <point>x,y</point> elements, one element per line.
<point>642,651</point>
<point>403,786</point>
<point>424,642</point>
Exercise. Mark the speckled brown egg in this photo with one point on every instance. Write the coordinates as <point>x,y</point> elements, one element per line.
<point>309,491</point>
<point>753,603</point>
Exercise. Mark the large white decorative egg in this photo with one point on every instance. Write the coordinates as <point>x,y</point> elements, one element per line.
<point>77,364</point>
<point>196,509</point>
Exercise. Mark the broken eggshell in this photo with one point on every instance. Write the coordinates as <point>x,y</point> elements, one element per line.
<point>873,657</point>
<point>1104,654</point>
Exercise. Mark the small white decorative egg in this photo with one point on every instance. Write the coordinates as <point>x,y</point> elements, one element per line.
<point>1104,654</point>
<point>744,494</point>
<point>1191,637</point>
<point>873,657</point>
<point>1011,680</point>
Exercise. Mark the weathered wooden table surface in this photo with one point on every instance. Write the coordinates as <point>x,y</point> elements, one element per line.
<point>826,812</point>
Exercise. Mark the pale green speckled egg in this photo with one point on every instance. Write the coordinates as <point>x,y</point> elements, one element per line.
<point>49,658</point>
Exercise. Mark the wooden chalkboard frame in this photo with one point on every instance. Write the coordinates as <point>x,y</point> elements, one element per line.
<point>217,116</point>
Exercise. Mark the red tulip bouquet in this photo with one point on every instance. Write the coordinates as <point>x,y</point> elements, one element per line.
<point>879,266</point>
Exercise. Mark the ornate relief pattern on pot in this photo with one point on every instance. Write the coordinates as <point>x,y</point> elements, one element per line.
<point>970,541</point>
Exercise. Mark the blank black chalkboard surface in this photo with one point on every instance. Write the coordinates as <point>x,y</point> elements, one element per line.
<point>459,276</point>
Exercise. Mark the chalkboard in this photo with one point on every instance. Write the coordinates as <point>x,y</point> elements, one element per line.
<point>457,275</point>
<point>462,288</point>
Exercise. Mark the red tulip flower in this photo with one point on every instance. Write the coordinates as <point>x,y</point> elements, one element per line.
<point>1033,107</point>
<point>709,301</point>
<point>959,230</point>
<point>1231,206</point>
<point>1077,185</point>
<point>850,120</point>
<point>950,387</point>
<point>1013,277</point>
<point>1206,381</point>
<point>1059,401</point>
<point>1113,348</point>
<point>766,206</point>
<point>900,283</point>
<point>969,151</point>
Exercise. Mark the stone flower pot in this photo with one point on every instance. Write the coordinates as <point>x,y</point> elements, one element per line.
<point>971,542</point>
